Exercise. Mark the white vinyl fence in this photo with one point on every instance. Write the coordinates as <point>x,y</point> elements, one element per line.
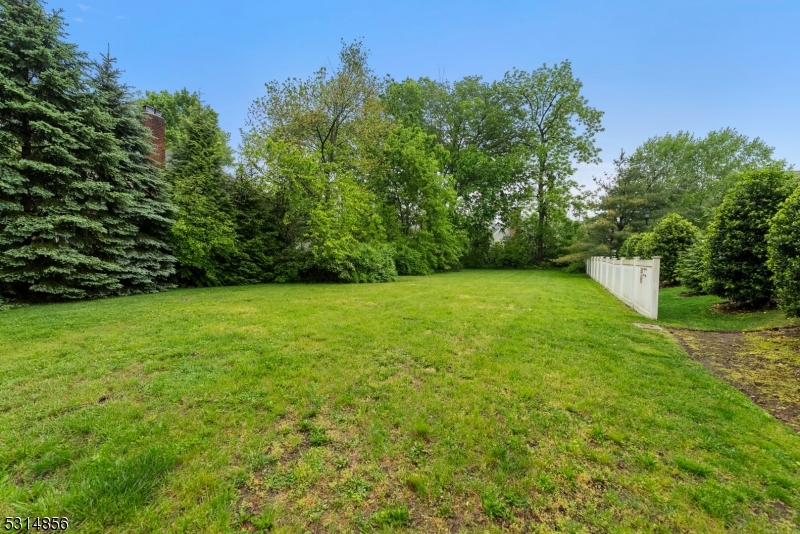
<point>632,280</point>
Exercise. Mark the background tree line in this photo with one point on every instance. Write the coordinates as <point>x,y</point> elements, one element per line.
<point>719,210</point>
<point>346,176</point>
<point>343,176</point>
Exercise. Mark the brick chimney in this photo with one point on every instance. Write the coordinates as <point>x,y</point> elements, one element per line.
<point>157,125</point>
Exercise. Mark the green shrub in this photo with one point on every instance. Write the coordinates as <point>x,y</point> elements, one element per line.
<point>629,246</point>
<point>637,245</point>
<point>784,254</point>
<point>670,238</point>
<point>368,263</point>
<point>409,262</point>
<point>644,248</point>
<point>576,267</point>
<point>736,237</point>
<point>692,269</point>
<point>511,253</point>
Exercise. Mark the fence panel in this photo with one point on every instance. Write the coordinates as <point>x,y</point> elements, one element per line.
<point>634,281</point>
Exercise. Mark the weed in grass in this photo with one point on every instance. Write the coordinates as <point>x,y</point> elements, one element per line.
<point>318,438</point>
<point>646,460</point>
<point>515,499</point>
<point>422,430</point>
<point>305,425</point>
<point>282,479</point>
<point>445,510</point>
<point>598,434</point>
<point>356,488</point>
<point>495,506</point>
<point>618,438</point>
<point>393,516</point>
<point>692,467</point>
<point>417,453</point>
<point>517,459</point>
<point>418,485</point>
<point>544,484</point>
<point>109,486</point>
<point>570,473</point>
<point>264,521</point>
<point>340,462</point>
<point>259,460</point>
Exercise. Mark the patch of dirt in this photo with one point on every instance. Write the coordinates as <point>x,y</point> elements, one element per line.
<point>732,308</point>
<point>764,365</point>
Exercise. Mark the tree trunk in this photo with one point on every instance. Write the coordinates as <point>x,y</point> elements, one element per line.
<point>541,208</point>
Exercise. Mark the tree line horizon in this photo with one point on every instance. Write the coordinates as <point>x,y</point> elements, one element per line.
<point>343,176</point>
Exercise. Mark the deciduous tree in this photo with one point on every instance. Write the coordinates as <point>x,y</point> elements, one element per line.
<point>737,247</point>
<point>784,254</point>
<point>556,127</point>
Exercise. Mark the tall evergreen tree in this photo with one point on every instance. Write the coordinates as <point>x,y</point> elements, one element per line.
<point>52,203</point>
<point>204,232</point>
<point>139,231</point>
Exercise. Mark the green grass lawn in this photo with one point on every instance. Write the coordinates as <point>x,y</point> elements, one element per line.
<point>696,312</point>
<point>481,401</point>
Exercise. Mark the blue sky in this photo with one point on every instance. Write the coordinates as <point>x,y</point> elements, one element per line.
<point>652,67</point>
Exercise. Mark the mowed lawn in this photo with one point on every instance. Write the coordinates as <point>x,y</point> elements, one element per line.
<point>480,401</point>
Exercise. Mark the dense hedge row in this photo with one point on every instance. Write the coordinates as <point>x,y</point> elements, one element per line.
<point>784,254</point>
<point>669,239</point>
<point>750,252</point>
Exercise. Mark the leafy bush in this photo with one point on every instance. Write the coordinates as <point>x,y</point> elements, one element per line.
<point>576,267</point>
<point>671,237</point>
<point>409,262</point>
<point>356,263</point>
<point>737,248</point>
<point>692,269</point>
<point>637,245</point>
<point>629,246</point>
<point>512,253</point>
<point>367,263</point>
<point>784,254</point>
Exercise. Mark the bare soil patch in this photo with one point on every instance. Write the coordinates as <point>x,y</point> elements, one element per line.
<point>764,365</point>
<point>732,308</point>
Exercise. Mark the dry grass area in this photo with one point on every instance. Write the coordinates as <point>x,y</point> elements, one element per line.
<point>765,365</point>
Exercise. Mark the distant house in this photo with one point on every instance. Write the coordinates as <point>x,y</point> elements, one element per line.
<point>500,233</point>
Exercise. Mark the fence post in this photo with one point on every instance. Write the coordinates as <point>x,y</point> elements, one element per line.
<point>636,284</point>
<point>656,282</point>
<point>602,278</point>
<point>615,270</point>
